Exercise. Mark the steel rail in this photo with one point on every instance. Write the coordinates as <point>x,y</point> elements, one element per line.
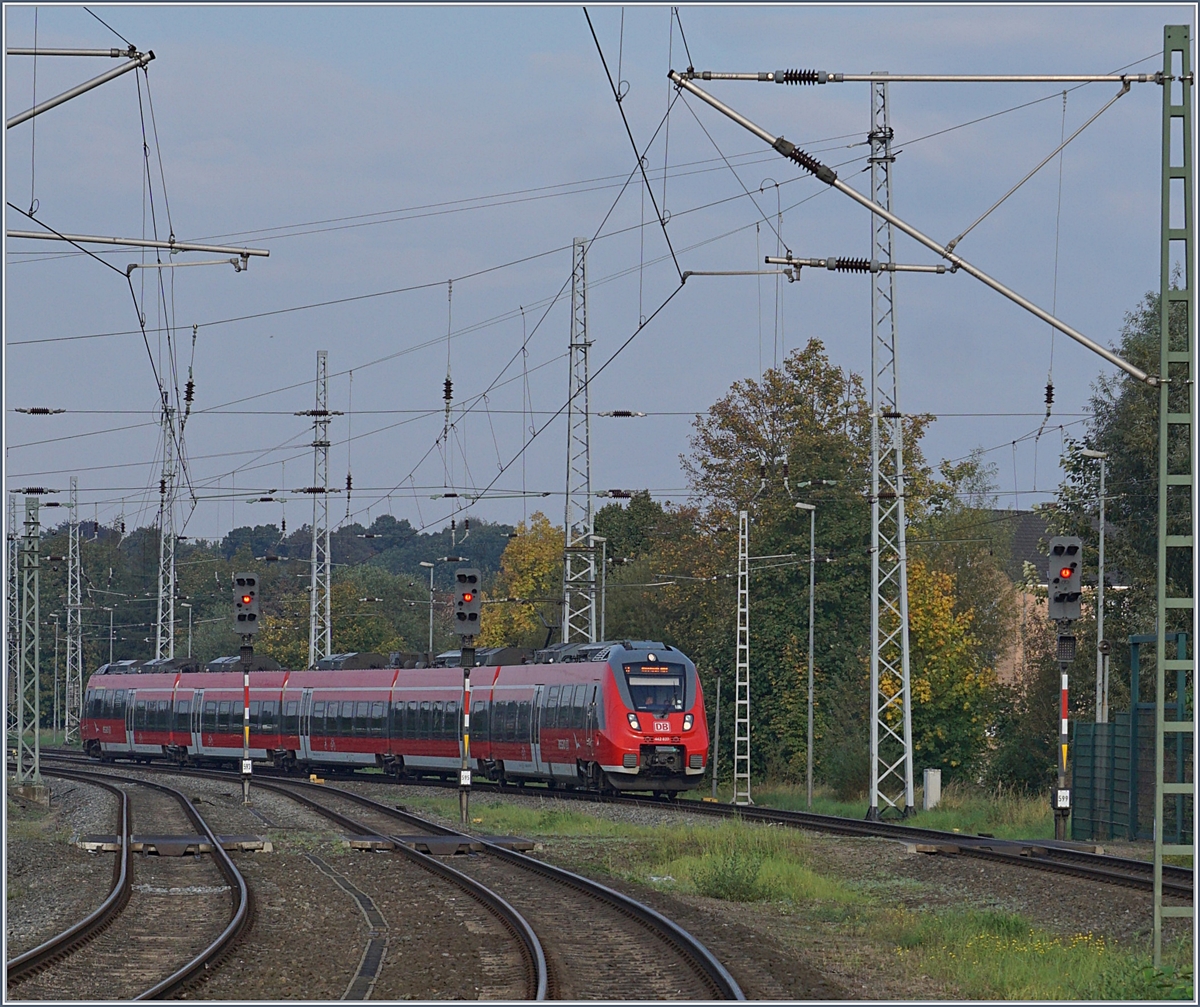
<point>237,883</point>
<point>26,964</point>
<point>537,971</point>
<point>716,975</point>
<point>1042,854</point>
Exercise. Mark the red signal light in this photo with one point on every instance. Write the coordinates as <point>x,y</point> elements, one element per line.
<point>1065,573</point>
<point>246,599</point>
<point>468,596</point>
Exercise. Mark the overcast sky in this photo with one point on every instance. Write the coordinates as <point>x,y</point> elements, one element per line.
<point>382,151</point>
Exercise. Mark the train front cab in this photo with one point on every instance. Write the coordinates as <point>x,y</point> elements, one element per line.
<point>657,734</point>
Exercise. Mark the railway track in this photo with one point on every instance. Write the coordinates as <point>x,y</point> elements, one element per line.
<point>605,954</point>
<point>177,915</point>
<point>1035,854</point>
<point>613,959</point>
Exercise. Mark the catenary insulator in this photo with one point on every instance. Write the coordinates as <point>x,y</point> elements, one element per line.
<point>799,76</point>
<point>853,266</point>
<point>448,390</point>
<point>189,391</point>
<point>1049,393</point>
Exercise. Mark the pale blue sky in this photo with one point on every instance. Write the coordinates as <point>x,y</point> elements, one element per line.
<point>270,117</point>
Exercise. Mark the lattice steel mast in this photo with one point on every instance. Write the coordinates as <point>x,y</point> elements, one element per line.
<point>320,626</point>
<point>29,747</point>
<point>741,705</point>
<point>74,689</point>
<point>1176,472</point>
<point>12,620</point>
<point>579,554</point>
<point>164,632</point>
<point>891,720</point>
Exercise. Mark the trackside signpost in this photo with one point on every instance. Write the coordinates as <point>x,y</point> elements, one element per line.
<point>1063,583</point>
<point>468,606</point>
<point>245,622</point>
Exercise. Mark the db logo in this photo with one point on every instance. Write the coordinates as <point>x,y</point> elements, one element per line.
<point>662,725</point>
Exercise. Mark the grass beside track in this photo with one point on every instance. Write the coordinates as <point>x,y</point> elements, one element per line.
<point>982,954</point>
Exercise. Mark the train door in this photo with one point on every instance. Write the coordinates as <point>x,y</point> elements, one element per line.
<point>305,752</point>
<point>129,706</point>
<point>541,766</point>
<point>590,721</point>
<point>197,709</point>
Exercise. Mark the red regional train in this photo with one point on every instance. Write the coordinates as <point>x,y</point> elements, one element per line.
<point>628,717</point>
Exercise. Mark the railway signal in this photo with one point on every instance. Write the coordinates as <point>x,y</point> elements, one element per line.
<point>1063,582</point>
<point>1063,585</point>
<point>468,606</point>
<point>246,621</point>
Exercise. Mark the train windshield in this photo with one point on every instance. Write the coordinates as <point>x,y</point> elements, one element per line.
<point>655,688</point>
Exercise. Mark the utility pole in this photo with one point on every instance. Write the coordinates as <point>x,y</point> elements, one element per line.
<point>891,715</point>
<point>716,739</point>
<point>55,721</point>
<point>74,683</point>
<point>1176,475</point>
<point>741,696</point>
<point>579,553</point>
<point>164,633</point>
<point>1101,656</point>
<point>812,578</point>
<point>29,746</point>
<point>320,625</point>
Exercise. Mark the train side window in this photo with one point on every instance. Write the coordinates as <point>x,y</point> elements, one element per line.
<point>208,721</point>
<point>510,721</point>
<point>452,724</point>
<point>426,719</point>
<point>565,714</point>
<point>346,718</point>
<point>183,709</point>
<point>580,719</point>
<point>119,705</point>
<point>479,719</point>
<point>255,710</point>
<point>291,717</point>
<point>154,720</point>
<point>223,717</point>
<point>439,728</point>
<point>164,714</point>
<point>267,716</point>
<point>362,718</point>
<point>550,714</point>
<point>318,719</point>
<point>524,709</point>
<point>396,727</point>
<point>412,720</point>
<point>377,715</point>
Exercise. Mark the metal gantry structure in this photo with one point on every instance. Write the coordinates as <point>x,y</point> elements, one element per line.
<point>1176,461</point>
<point>741,700</point>
<point>12,617</point>
<point>579,621</point>
<point>74,684</point>
<point>320,622</point>
<point>164,629</point>
<point>29,748</point>
<point>891,715</point>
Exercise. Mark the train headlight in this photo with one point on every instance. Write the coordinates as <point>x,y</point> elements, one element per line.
<point>633,720</point>
<point>687,722</point>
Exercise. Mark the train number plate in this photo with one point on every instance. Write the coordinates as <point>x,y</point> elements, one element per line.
<point>662,725</point>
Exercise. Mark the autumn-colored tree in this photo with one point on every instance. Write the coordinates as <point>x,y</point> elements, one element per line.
<point>531,574</point>
<point>953,694</point>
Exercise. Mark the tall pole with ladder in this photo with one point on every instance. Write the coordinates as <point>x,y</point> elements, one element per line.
<point>74,684</point>
<point>12,620</point>
<point>1176,472</point>
<point>320,627</point>
<point>891,720</point>
<point>29,747</point>
<point>579,553</point>
<point>741,701</point>
<point>164,632</point>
